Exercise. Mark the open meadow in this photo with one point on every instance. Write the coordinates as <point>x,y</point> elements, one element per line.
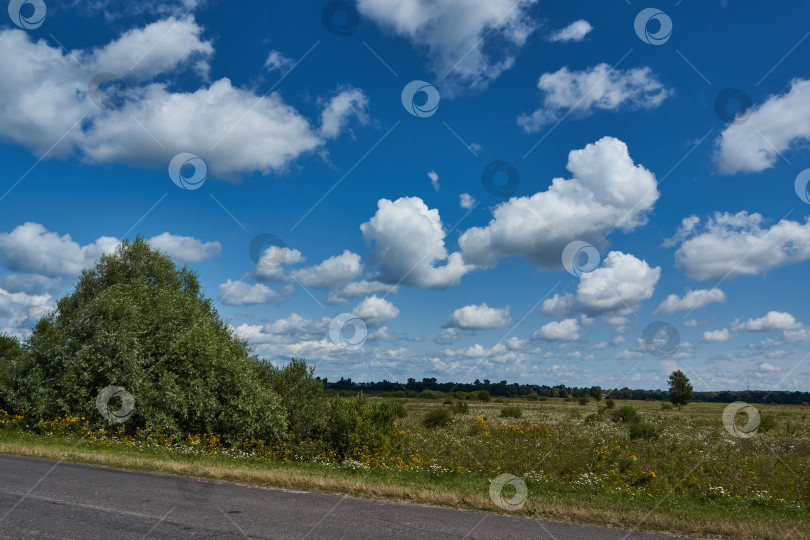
<point>602,463</point>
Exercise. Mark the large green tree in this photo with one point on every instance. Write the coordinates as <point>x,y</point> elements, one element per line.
<point>10,352</point>
<point>680,390</point>
<point>137,321</point>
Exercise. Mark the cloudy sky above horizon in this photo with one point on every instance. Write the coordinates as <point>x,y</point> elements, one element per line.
<point>501,189</point>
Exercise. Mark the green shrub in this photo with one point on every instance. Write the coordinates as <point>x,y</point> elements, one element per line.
<point>301,395</point>
<point>395,394</point>
<point>568,399</point>
<point>511,412</point>
<point>429,394</point>
<point>641,430</point>
<point>666,406</point>
<point>483,395</point>
<point>593,417</point>
<point>499,400</point>
<point>532,397</point>
<point>437,418</point>
<point>348,393</point>
<point>625,413</point>
<point>609,403</point>
<point>541,398</point>
<point>805,403</point>
<point>767,422</point>
<point>411,393</point>
<point>360,421</point>
<point>398,409</point>
<point>460,407</point>
<point>448,401</point>
<point>583,400</point>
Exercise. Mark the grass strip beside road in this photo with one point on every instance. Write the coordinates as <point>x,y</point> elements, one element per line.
<point>677,514</point>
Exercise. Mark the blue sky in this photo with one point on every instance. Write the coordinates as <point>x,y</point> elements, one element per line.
<point>613,135</point>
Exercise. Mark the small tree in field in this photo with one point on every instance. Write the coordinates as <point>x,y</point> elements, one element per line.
<point>596,393</point>
<point>680,391</point>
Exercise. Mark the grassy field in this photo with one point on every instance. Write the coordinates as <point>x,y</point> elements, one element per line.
<point>680,472</point>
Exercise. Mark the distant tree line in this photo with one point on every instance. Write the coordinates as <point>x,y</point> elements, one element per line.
<point>412,388</point>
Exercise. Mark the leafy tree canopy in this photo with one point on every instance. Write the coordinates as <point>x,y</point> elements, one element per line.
<point>137,321</point>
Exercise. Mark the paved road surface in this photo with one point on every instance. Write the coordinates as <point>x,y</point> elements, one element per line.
<point>46,499</point>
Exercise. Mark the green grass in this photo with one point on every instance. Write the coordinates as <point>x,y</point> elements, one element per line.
<point>693,478</point>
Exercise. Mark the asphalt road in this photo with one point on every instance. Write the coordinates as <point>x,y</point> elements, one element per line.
<point>46,499</point>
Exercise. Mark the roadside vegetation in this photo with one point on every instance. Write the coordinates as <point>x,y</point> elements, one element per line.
<point>188,397</point>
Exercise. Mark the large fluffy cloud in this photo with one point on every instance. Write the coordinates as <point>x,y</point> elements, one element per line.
<point>31,248</point>
<point>598,88</point>
<point>607,191</point>
<point>468,42</point>
<point>35,251</point>
<point>475,317</point>
<point>375,311</point>
<point>618,286</point>
<point>44,99</point>
<point>407,241</point>
<point>730,245</point>
<point>772,128</point>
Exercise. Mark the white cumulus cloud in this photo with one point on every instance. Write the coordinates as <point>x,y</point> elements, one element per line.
<point>185,249</point>
<point>576,31</point>
<point>565,330</point>
<point>239,293</point>
<point>478,317</point>
<point>44,98</point>
<point>692,300</point>
<point>731,245</point>
<point>771,129</point>
<point>598,88</point>
<point>375,311</point>
<point>407,240</point>
<point>607,191</point>
<point>333,272</point>
<point>469,43</point>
